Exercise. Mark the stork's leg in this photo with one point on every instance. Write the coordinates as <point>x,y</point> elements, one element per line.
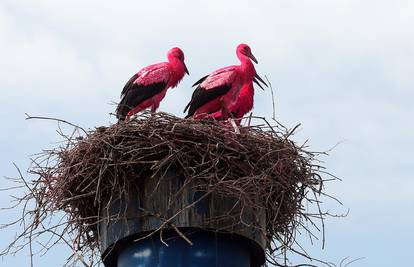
<point>235,126</point>
<point>226,114</point>
<point>153,109</point>
<point>224,111</point>
<point>131,117</point>
<point>133,113</point>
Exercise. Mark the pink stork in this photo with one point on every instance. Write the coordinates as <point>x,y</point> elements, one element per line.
<point>148,87</point>
<point>218,91</point>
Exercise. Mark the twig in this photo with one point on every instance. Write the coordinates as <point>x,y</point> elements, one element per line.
<point>273,99</point>
<point>28,117</point>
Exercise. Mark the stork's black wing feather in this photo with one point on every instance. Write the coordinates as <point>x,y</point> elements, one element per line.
<point>202,96</point>
<point>133,94</point>
<point>200,81</point>
<point>129,84</point>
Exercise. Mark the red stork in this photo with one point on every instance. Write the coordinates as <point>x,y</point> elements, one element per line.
<point>218,91</point>
<point>148,87</point>
<point>244,101</point>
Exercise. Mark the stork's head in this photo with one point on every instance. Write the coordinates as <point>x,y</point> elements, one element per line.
<point>175,54</point>
<point>243,50</point>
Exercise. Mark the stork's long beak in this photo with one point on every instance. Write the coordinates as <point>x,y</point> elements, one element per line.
<point>250,55</point>
<point>256,78</point>
<point>186,70</point>
<point>257,82</point>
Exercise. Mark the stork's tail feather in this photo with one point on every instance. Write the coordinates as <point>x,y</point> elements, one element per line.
<point>122,111</point>
<point>120,118</point>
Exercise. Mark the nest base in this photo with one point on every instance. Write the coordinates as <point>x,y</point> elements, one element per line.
<point>191,214</point>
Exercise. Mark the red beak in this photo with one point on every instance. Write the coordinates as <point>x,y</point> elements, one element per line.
<point>185,67</point>
<point>250,55</point>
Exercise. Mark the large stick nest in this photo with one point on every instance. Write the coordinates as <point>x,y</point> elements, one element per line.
<point>260,166</point>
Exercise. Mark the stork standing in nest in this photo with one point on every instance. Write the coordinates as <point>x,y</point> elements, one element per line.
<point>218,91</point>
<point>148,86</point>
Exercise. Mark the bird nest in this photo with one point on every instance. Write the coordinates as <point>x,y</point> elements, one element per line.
<point>259,166</point>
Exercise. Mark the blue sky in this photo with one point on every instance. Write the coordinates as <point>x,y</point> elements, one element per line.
<point>341,68</point>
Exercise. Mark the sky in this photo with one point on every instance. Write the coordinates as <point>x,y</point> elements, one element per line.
<point>341,68</point>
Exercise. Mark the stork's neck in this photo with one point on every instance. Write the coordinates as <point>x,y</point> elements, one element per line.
<point>247,68</point>
<point>246,96</point>
<point>177,71</point>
